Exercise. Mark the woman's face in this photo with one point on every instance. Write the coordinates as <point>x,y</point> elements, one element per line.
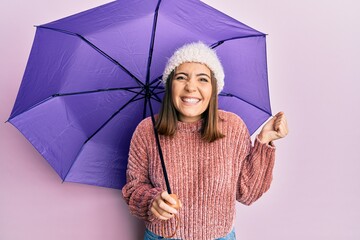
<point>191,90</point>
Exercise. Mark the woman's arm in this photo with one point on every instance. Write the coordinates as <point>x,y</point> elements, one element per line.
<point>138,192</point>
<point>256,172</point>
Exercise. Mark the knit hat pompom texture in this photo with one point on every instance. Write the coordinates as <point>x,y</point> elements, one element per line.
<point>199,53</point>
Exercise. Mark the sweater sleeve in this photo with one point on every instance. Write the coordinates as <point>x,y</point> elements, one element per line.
<point>138,191</point>
<point>256,171</point>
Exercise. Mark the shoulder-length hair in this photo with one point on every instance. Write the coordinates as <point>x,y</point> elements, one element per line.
<point>168,116</point>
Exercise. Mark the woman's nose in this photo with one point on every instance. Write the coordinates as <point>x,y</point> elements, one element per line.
<point>190,85</point>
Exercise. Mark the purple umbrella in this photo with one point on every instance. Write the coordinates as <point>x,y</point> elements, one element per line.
<point>92,77</point>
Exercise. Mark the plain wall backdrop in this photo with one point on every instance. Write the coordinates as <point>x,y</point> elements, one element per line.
<point>314,68</point>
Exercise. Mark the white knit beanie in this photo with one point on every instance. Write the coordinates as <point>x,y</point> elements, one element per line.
<point>199,53</point>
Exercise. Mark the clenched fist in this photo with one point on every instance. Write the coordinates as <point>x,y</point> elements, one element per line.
<point>274,129</point>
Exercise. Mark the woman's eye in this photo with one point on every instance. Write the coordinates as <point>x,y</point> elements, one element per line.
<point>204,80</point>
<point>180,77</point>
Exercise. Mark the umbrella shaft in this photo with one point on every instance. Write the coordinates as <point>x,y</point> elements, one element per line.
<point>159,149</point>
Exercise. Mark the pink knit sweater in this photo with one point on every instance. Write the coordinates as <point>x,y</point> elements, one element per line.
<point>207,177</point>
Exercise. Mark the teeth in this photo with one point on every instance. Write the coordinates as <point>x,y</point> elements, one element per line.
<point>190,100</point>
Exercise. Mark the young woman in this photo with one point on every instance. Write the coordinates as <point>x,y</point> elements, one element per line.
<point>209,157</point>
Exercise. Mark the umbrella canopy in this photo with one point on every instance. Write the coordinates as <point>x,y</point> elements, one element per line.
<point>91,78</point>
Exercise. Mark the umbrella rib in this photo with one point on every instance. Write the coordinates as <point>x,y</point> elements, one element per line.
<point>157,82</point>
<point>97,49</point>
<point>152,41</point>
<point>232,95</point>
<point>158,79</point>
<point>101,127</point>
<point>33,106</point>
<point>218,43</point>
<point>157,97</point>
<point>153,93</point>
<point>112,116</point>
<point>129,89</point>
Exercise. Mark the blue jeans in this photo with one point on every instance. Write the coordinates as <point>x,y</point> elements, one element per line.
<point>152,236</point>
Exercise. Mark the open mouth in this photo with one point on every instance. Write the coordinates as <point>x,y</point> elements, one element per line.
<point>190,100</point>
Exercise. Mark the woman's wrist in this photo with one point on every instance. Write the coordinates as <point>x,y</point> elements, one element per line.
<point>263,139</point>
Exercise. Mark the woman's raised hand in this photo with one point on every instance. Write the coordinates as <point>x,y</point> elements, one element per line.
<point>274,129</point>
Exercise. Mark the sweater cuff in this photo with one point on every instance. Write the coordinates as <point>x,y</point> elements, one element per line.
<point>155,192</point>
<point>268,148</point>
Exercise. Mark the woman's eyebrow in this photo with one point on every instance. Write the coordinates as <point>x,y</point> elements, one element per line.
<point>203,74</point>
<point>198,75</point>
<point>181,73</point>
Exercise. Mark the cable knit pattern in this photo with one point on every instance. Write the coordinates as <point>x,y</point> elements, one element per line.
<point>207,177</point>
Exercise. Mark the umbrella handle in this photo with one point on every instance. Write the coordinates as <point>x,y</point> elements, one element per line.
<point>177,218</point>
<point>177,221</point>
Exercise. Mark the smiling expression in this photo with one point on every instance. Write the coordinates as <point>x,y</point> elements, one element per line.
<point>191,90</point>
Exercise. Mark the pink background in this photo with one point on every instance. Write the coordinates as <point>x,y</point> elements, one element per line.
<point>314,69</point>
